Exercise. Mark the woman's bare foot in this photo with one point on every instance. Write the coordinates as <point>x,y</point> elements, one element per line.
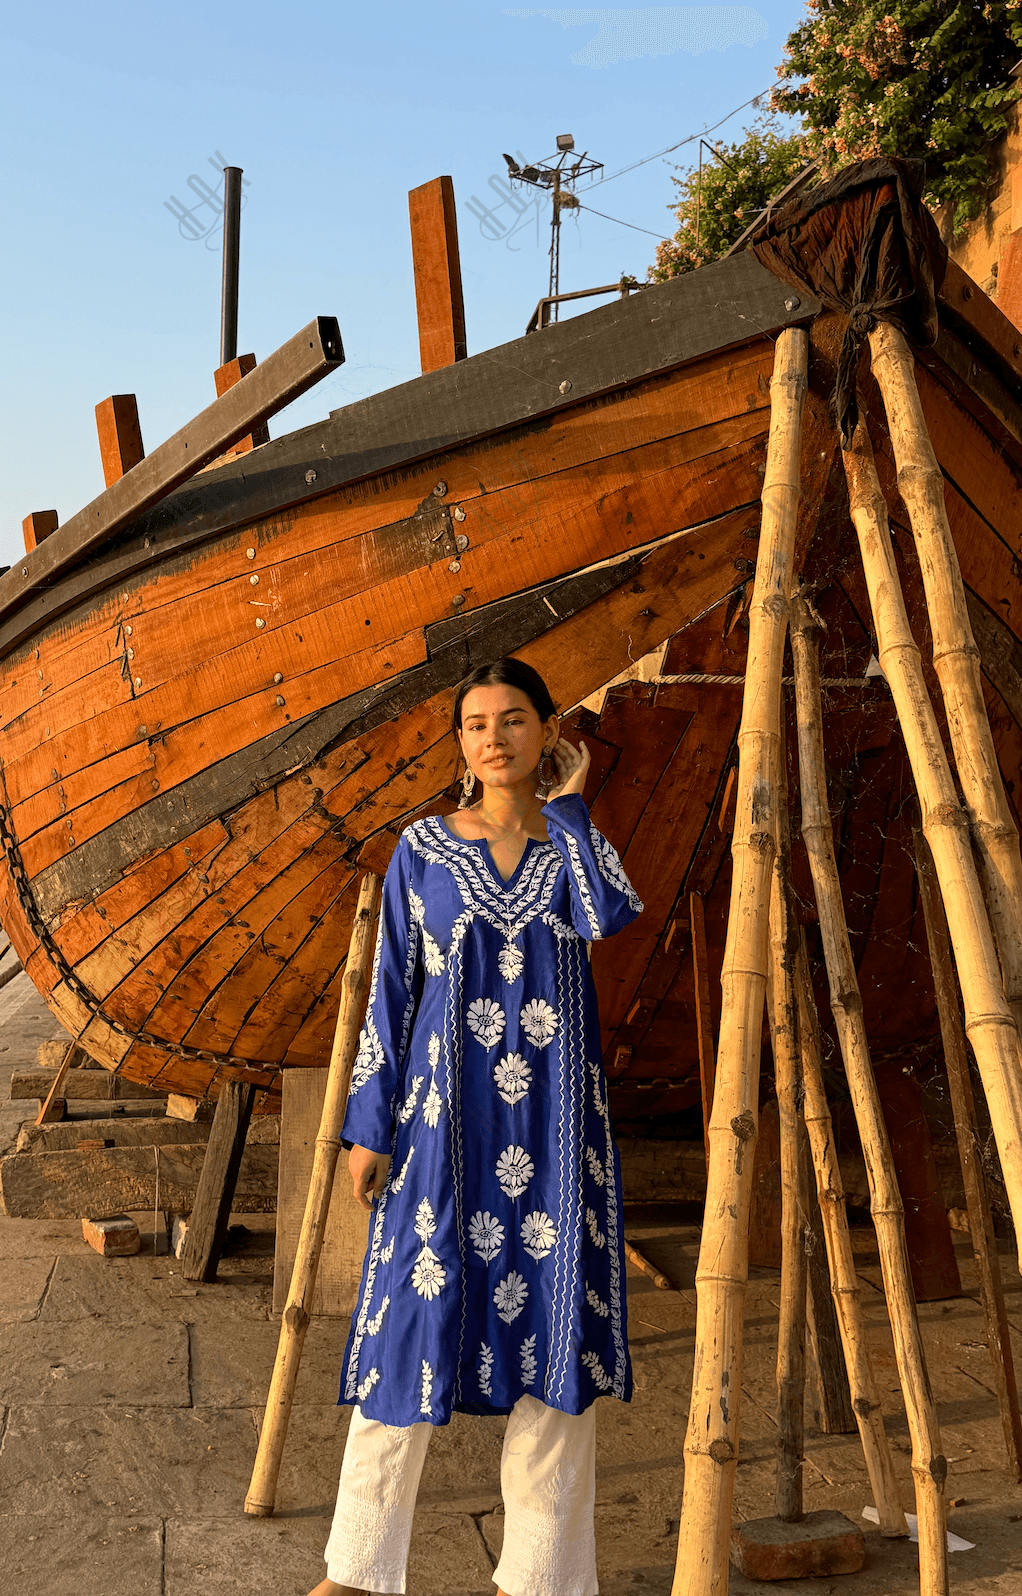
<point>326,1587</point>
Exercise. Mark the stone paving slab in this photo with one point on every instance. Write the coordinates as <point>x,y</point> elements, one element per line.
<point>145,1290</point>
<point>182,1462</point>
<point>233,1370</point>
<point>244,1556</point>
<point>75,1365</point>
<point>52,1554</point>
<point>25,1283</point>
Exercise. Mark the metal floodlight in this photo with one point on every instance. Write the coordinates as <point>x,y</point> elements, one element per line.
<point>565,141</point>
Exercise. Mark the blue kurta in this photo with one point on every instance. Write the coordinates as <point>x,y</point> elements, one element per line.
<point>495,1266</point>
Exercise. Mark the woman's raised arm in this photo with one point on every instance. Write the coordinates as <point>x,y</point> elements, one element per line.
<point>602,897</point>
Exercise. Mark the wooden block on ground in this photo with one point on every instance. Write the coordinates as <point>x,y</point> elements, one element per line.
<point>177,1230</point>
<point>214,1195</point>
<point>79,1085</point>
<point>347,1226</point>
<point>198,1111</point>
<point>116,1237</point>
<point>146,1132</point>
<point>819,1544</point>
<point>71,1185</point>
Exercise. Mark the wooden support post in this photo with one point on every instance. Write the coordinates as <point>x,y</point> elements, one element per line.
<point>782,1005</point>
<point>843,1278</point>
<point>989,1022</point>
<point>53,1106</point>
<point>120,436</point>
<point>38,526</point>
<point>214,1195</point>
<point>929,1466</point>
<point>704,1014</point>
<point>262,1489</point>
<point>437,266</point>
<point>834,1414</point>
<point>711,1443</point>
<point>225,377</point>
<point>980,1223</point>
<point>956,658</point>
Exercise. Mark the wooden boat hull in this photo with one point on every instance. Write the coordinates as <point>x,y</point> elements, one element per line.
<point>210,730</point>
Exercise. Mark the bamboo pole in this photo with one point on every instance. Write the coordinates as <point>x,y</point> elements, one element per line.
<point>294,1323</point>
<point>929,1466</point>
<point>844,1282</point>
<point>989,1024</point>
<point>704,1014</point>
<point>782,1006</point>
<point>963,1106</point>
<point>956,657</point>
<point>711,1445</point>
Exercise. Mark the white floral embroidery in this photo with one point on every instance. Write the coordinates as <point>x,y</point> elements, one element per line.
<point>373,1324</point>
<point>598,1103</point>
<point>429,1277</point>
<point>595,1167</point>
<point>364,1388</point>
<point>366,1062</point>
<point>567,933</point>
<point>514,1171</point>
<point>486,1234</point>
<point>513,1077</point>
<point>528,1356</point>
<point>486,1021</point>
<point>434,1051</point>
<point>388,1252</point>
<point>539,1022</point>
<point>610,868</point>
<point>510,963</point>
<point>432,1106</point>
<point>594,1229</point>
<point>595,1303</point>
<point>581,880</point>
<point>407,1109</point>
<point>485,1369</point>
<point>539,1234</point>
<point>416,907</point>
<point>432,957</point>
<point>399,1182</point>
<point>598,1372</point>
<point>510,1296</point>
<point>425,1220</point>
<point>426,1402</point>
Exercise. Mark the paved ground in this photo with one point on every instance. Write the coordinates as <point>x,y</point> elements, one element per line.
<point>130,1406</point>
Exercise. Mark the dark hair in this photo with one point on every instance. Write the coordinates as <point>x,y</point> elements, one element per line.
<point>507,673</point>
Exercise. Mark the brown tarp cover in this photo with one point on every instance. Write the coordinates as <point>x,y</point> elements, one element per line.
<point>866,244</point>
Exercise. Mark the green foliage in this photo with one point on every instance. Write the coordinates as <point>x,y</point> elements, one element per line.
<point>736,185</point>
<point>910,78</point>
<point>926,78</point>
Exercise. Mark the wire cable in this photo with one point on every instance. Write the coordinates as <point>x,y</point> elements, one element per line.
<point>620,223</point>
<point>691,137</point>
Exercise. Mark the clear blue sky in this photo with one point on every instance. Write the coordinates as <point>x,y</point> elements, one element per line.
<point>112,112</point>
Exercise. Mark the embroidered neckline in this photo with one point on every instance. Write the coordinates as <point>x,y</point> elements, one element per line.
<point>486,853</point>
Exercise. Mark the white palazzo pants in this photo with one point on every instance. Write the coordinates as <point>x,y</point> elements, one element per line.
<point>547,1479</point>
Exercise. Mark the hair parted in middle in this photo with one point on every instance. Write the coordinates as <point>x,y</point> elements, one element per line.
<point>506,672</point>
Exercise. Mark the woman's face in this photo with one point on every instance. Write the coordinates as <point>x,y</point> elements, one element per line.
<point>502,736</point>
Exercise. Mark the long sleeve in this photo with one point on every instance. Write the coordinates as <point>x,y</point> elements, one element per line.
<point>393,996</point>
<point>602,898</point>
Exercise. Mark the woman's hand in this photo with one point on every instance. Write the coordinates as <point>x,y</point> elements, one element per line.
<point>368,1171</point>
<point>572,766</point>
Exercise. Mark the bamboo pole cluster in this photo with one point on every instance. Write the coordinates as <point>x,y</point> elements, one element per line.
<point>711,1445</point>
<point>929,1466</point>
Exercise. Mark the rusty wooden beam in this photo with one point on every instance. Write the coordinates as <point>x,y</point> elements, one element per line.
<point>120,436</point>
<point>294,368</point>
<point>437,266</point>
<point>37,526</point>
<point>225,378</point>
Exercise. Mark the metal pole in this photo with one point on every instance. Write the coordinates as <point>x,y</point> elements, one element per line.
<point>555,245</point>
<point>232,250</point>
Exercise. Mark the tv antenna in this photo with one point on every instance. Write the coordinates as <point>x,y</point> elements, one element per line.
<point>559,173</point>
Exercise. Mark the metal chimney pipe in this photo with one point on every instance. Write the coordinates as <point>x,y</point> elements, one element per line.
<point>232,254</point>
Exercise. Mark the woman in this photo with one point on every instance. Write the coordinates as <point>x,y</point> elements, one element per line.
<point>494,1275</point>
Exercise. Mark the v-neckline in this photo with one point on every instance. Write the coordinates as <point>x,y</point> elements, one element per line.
<point>488,859</point>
